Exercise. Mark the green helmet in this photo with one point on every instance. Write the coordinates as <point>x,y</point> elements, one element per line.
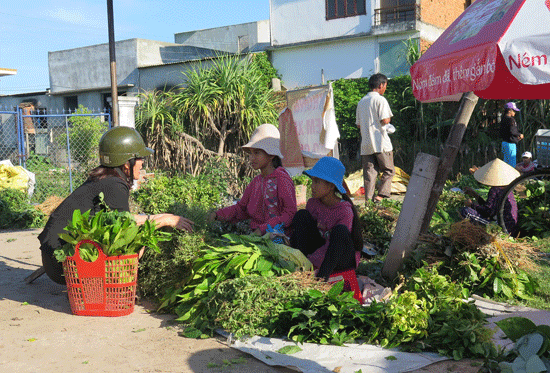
<point>119,145</point>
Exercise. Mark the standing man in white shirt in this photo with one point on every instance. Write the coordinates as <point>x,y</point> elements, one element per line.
<point>373,117</point>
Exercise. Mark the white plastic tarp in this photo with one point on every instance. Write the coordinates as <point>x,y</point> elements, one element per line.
<point>316,358</point>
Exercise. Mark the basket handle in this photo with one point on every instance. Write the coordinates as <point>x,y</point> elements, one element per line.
<point>101,255</point>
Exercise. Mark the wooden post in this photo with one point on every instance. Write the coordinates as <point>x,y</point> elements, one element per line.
<point>467,105</point>
<point>413,209</point>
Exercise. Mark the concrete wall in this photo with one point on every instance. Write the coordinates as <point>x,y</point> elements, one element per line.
<point>297,21</point>
<point>40,99</point>
<point>74,70</point>
<point>150,52</point>
<point>441,13</point>
<point>92,100</point>
<point>89,67</point>
<point>158,77</point>
<point>301,66</point>
<point>243,38</point>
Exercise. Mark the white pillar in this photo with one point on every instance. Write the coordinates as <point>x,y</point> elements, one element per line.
<point>126,110</point>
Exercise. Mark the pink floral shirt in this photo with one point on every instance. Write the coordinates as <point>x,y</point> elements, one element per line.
<point>266,200</point>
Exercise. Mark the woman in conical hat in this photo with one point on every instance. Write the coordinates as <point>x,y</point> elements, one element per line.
<point>497,174</point>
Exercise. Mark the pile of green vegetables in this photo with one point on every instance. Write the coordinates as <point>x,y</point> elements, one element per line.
<point>428,314</point>
<point>17,212</point>
<point>116,232</point>
<point>242,285</point>
<point>238,256</point>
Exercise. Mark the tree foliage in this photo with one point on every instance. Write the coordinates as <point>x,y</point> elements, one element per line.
<point>211,114</point>
<point>225,99</point>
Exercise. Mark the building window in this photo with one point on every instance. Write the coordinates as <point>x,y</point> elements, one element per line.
<point>392,11</point>
<point>71,103</point>
<point>393,58</point>
<point>345,8</point>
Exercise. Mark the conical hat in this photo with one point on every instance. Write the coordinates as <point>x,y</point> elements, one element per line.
<point>496,173</point>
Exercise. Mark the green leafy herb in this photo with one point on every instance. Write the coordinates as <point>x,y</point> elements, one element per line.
<point>116,232</point>
<point>242,256</point>
<point>289,350</point>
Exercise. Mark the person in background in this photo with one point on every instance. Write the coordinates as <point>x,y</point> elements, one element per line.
<point>373,116</point>
<point>270,198</point>
<point>328,230</point>
<point>496,174</point>
<point>510,134</point>
<point>121,154</point>
<point>526,165</point>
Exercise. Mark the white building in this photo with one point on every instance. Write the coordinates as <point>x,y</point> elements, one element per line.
<point>309,42</point>
<point>313,41</point>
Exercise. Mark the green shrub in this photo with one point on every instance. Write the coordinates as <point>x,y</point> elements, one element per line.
<point>267,71</point>
<point>302,180</point>
<point>84,134</point>
<point>167,193</point>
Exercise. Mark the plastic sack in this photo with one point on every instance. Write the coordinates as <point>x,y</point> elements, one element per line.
<point>16,177</point>
<point>398,185</point>
<point>294,256</point>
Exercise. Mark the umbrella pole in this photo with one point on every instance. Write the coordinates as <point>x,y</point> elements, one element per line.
<point>452,145</point>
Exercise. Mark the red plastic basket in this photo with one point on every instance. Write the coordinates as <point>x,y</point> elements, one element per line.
<point>350,282</point>
<point>106,287</point>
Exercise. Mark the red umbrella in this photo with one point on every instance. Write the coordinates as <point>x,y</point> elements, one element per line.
<point>498,49</point>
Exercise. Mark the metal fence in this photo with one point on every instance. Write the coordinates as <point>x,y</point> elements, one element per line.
<point>59,147</point>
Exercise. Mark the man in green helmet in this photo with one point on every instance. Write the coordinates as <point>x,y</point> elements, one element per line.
<point>121,154</point>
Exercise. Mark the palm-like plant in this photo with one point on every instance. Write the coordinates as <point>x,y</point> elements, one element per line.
<point>225,100</point>
<point>155,118</point>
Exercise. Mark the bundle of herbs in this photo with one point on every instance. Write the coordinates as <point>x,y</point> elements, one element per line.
<point>116,232</point>
<point>380,221</point>
<point>159,271</point>
<point>455,327</point>
<point>429,314</point>
<point>477,259</point>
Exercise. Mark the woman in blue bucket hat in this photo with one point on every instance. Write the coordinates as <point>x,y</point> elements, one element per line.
<point>328,231</point>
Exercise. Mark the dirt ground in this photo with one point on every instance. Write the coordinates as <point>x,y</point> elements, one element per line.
<point>38,333</point>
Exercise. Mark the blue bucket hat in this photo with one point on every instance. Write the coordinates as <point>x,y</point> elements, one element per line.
<point>329,169</point>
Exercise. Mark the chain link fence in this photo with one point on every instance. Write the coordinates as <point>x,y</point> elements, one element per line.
<point>59,148</point>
